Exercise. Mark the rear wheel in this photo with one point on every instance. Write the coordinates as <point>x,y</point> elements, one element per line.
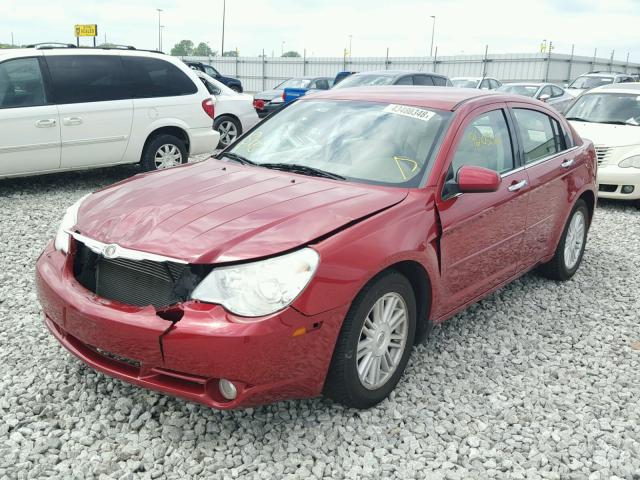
<point>229,129</point>
<point>375,342</point>
<point>164,151</point>
<point>571,247</point>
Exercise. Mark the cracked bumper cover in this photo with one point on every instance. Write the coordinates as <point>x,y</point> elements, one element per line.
<point>186,358</point>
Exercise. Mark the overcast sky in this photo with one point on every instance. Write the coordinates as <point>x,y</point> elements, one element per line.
<point>323,26</point>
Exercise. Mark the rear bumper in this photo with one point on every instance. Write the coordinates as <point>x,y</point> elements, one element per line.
<point>203,140</point>
<point>187,356</point>
<point>612,179</point>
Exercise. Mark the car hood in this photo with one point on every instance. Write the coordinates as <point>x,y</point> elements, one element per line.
<point>608,135</point>
<point>214,212</point>
<point>268,94</point>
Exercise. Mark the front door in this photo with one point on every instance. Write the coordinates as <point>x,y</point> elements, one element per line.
<point>482,233</point>
<point>29,126</point>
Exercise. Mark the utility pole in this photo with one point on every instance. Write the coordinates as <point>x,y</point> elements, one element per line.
<point>282,49</point>
<point>224,13</point>
<point>433,31</point>
<point>12,44</point>
<point>350,43</point>
<point>159,30</point>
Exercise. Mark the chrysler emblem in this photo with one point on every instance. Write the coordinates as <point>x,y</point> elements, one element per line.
<point>110,251</point>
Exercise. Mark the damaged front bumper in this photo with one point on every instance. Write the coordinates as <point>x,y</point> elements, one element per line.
<point>187,349</point>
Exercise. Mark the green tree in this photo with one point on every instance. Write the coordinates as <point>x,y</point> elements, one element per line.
<point>203,50</point>
<point>183,48</point>
<point>230,53</point>
<point>291,53</point>
<point>7,45</point>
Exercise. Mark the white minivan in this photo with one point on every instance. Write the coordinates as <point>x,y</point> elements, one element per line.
<point>74,108</point>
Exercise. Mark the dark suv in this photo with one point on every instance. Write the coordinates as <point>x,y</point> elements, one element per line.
<point>232,83</point>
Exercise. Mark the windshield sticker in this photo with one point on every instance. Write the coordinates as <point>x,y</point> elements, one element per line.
<point>413,112</point>
<point>408,163</point>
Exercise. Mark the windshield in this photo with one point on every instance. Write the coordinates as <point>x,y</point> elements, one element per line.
<point>606,108</point>
<point>526,90</point>
<point>590,82</point>
<point>209,70</point>
<point>464,83</point>
<point>366,142</point>
<point>294,83</point>
<point>365,80</point>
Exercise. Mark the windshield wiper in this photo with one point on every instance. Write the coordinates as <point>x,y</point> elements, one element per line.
<point>238,158</point>
<point>578,119</point>
<point>302,169</point>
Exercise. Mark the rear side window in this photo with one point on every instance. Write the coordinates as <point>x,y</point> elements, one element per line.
<point>21,83</point>
<point>87,78</point>
<point>557,91</point>
<point>541,135</point>
<point>153,77</point>
<point>422,80</point>
<point>321,84</point>
<point>439,81</point>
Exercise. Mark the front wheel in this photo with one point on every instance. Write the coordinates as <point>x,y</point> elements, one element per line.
<point>375,342</point>
<point>571,247</point>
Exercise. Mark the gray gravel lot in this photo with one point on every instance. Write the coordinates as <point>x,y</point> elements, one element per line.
<point>540,380</point>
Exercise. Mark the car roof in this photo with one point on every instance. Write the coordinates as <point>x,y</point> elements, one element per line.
<point>469,78</point>
<point>605,74</point>
<point>527,84</point>
<point>395,73</point>
<point>632,88</point>
<point>441,98</point>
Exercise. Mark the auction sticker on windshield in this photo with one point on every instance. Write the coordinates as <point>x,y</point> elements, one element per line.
<point>413,112</point>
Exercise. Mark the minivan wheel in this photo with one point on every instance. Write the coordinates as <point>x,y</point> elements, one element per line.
<point>164,151</point>
<point>374,344</point>
<point>570,250</point>
<point>229,129</point>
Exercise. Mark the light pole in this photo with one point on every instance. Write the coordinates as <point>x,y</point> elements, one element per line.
<point>282,48</point>
<point>433,31</point>
<point>224,13</point>
<point>162,27</point>
<point>159,30</point>
<point>350,43</point>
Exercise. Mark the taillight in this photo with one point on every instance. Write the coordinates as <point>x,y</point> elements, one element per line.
<point>284,96</point>
<point>207,106</point>
<point>258,104</point>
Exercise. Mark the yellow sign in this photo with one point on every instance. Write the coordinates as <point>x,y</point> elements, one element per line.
<point>86,30</point>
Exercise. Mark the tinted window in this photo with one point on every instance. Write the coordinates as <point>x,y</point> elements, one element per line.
<point>408,80</point>
<point>439,81</point>
<point>422,80</point>
<point>152,77</point>
<point>485,143</point>
<point>321,84</point>
<point>540,137</point>
<point>557,91</point>
<point>21,83</point>
<point>212,89</point>
<point>87,78</point>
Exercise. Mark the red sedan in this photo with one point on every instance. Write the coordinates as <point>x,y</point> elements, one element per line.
<point>313,253</point>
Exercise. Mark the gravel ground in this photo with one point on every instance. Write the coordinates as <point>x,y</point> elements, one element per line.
<point>540,380</point>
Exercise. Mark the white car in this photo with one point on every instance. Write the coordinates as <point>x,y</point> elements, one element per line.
<point>596,79</point>
<point>234,112</point>
<point>610,117</point>
<point>549,93</point>
<point>482,83</point>
<point>64,108</point>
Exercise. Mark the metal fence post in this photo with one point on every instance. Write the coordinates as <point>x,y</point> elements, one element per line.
<point>593,63</point>
<point>435,59</point>
<point>386,60</point>
<point>484,61</point>
<point>264,65</point>
<point>236,64</point>
<point>546,73</point>
<point>304,62</point>
<point>611,60</point>
<point>570,64</point>
<point>626,67</point>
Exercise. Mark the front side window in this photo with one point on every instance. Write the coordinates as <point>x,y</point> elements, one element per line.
<point>486,143</point>
<point>613,108</point>
<point>87,78</point>
<point>153,77</point>
<point>365,142</point>
<point>540,134</point>
<point>21,83</point>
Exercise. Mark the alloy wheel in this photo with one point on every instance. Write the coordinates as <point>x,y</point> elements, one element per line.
<point>228,132</point>
<point>574,241</point>
<point>167,156</point>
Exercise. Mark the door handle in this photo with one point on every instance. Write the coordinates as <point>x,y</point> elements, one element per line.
<point>567,163</point>
<point>46,123</point>
<point>517,186</point>
<point>72,121</point>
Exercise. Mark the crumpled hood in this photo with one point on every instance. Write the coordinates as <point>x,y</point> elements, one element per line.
<point>221,212</point>
<point>607,134</point>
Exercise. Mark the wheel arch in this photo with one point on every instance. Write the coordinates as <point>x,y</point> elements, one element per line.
<point>590,199</point>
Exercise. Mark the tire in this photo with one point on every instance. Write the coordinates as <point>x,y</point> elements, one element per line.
<point>344,383</point>
<point>236,88</point>
<point>175,152</point>
<point>229,129</point>
<point>565,263</point>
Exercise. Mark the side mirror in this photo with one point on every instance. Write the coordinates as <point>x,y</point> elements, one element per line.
<point>544,98</point>
<point>472,179</point>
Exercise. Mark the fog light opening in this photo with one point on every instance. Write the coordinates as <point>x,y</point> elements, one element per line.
<point>627,189</point>
<point>227,389</point>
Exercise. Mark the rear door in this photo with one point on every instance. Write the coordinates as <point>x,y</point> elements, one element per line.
<point>550,164</point>
<point>482,233</point>
<point>29,123</point>
<point>96,109</point>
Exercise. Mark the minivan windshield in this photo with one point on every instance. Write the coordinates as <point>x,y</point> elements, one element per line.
<point>362,80</point>
<point>590,82</point>
<point>600,107</point>
<point>376,143</point>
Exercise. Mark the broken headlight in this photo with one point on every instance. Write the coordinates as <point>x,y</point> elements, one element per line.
<point>68,222</point>
<point>259,288</point>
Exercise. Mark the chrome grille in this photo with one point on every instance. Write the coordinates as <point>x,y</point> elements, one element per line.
<point>603,153</point>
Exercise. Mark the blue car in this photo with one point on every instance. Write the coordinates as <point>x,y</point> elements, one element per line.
<point>271,100</point>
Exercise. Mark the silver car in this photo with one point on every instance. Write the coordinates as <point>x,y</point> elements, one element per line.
<point>549,93</point>
<point>483,83</point>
